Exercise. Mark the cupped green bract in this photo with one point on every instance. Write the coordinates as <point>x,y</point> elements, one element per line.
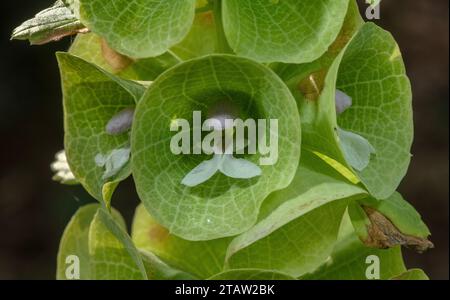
<point>98,239</point>
<point>139,28</point>
<point>91,98</point>
<point>102,247</point>
<point>222,206</point>
<point>290,31</point>
<point>75,241</point>
<point>371,71</point>
<point>299,225</point>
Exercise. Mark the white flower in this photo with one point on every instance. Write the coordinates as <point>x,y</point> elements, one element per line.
<point>63,173</point>
<point>343,102</point>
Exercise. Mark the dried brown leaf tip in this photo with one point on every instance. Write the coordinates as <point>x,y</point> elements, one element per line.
<point>50,25</point>
<point>383,234</point>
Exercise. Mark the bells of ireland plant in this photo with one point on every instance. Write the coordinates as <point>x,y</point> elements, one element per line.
<point>265,139</point>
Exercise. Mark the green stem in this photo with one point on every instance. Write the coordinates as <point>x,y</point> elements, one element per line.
<point>222,44</point>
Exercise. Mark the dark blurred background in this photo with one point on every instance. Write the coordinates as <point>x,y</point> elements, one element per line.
<point>34,210</point>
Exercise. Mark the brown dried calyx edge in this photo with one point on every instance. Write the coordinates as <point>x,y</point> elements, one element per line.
<point>115,60</point>
<point>383,234</point>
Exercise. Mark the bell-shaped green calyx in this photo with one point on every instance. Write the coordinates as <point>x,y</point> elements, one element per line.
<point>139,28</point>
<point>93,236</point>
<point>290,31</point>
<point>379,122</point>
<point>372,72</point>
<point>223,206</point>
<point>92,97</point>
<point>95,245</point>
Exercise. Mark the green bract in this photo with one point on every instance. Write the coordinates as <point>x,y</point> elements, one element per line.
<point>291,31</point>
<point>95,236</point>
<point>373,74</point>
<point>91,98</point>
<point>225,206</point>
<point>139,28</point>
<point>370,70</point>
<point>331,91</point>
